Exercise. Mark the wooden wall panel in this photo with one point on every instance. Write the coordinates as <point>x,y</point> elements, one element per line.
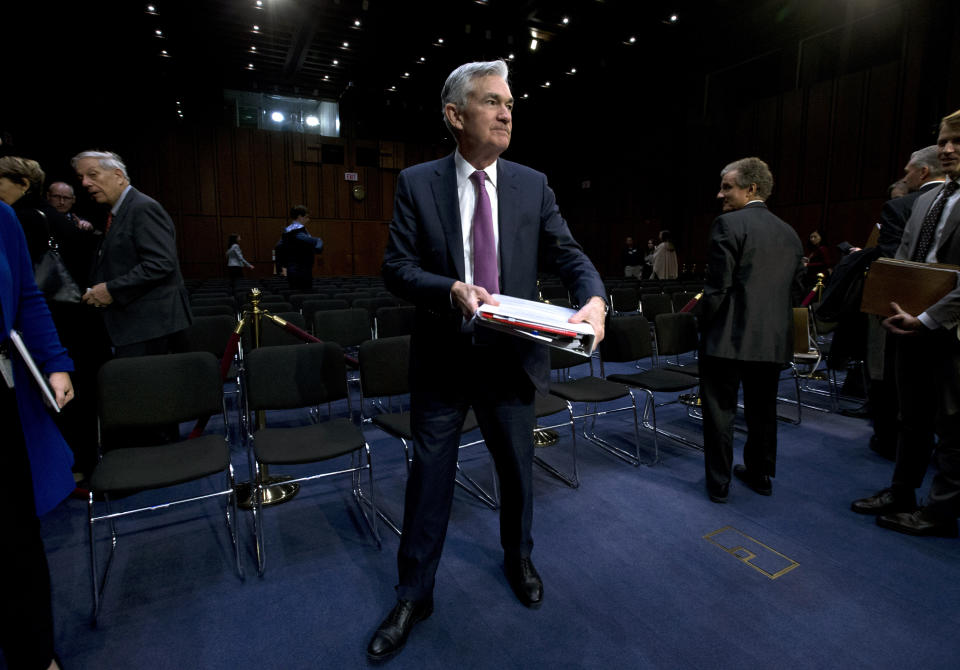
<point>767,126</point>
<point>201,240</point>
<point>206,171</point>
<point>328,191</point>
<point>337,256</point>
<point>267,233</point>
<point>266,204</point>
<point>227,172</point>
<point>847,123</point>
<point>882,158</point>
<point>786,175</point>
<point>369,241</point>
<point>279,175</point>
<point>311,198</point>
<point>187,169</point>
<point>243,164</point>
<point>244,227</point>
<point>816,142</point>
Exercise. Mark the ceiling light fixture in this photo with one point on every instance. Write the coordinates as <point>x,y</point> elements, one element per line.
<point>258,4</point>
<point>510,57</point>
<point>546,84</point>
<point>253,49</point>
<point>533,44</point>
<point>250,66</point>
<point>336,62</point>
<point>256,28</point>
<point>312,121</point>
<point>673,18</point>
<point>346,45</point>
<point>158,33</point>
<point>277,117</point>
<point>565,20</point>
<point>356,23</point>
<point>151,10</point>
<point>572,70</point>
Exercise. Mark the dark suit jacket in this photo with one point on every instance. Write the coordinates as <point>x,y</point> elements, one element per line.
<point>946,311</point>
<point>754,272</point>
<point>894,216</point>
<point>138,262</point>
<point>424,257</point>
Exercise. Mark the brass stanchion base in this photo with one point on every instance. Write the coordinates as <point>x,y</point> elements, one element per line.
<point>691,399</point>
<point>275,493</point>
<point>820,375</point>
<point>544,437</point>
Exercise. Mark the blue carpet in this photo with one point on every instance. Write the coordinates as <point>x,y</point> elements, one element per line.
<point>631,580</point>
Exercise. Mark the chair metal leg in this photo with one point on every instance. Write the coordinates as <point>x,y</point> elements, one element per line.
<point>362,498</point>
<point>257,509</point>
<point>98,583</point>
<point>572,480</point>
<point>233,520</point>
<point>624,455</point>
<point>650,410</point>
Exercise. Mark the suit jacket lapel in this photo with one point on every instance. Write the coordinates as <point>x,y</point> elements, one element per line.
<point>508,206</point>
<point>949,227</point>
<point>444,188</point>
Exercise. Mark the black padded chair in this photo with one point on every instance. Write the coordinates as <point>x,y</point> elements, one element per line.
<point>213,310</point>
<point>624,299</point>
<point>310,307</point>
<point>136,396</point>
<point>384,382</point>
<point>296,376</point>
<point>273,334</point>
<point>206,333</point>
<point>347,327</point>
<point>394,321</point>
<point>677,335</point>
<point>594,393</point>
<point>627,338</point>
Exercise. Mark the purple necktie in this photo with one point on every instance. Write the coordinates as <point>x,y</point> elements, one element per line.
<point>485,272</point>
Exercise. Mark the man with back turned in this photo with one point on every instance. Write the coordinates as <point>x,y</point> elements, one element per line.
<point>754,274</point>
<point>465,227</point>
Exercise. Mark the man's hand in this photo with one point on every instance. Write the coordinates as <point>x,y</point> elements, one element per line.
<point>84,225</point>
<point>468,298</point>
<point>62,387</point>
<point>594,313</point>
<point>902,323</point>
<point>98,296</point>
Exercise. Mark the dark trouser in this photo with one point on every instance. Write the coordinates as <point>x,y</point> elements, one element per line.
<point>882,397</point>
<point>300,280</point>
<point>918,394</point>
<point>720,379</point>
<point>504,410</point>
<point>26,617</point>
<point>155,347</point>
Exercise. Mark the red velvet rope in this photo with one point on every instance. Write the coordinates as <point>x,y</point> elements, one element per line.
<point>810,296</point>
<point>690,305</point>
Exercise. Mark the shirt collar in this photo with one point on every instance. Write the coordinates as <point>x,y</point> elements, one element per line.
<point>464,169</point>
<point>116,205</point>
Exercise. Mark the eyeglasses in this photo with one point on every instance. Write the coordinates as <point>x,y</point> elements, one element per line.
<point>61,197</point>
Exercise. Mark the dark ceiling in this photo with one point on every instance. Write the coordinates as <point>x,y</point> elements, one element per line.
<point>102,65</point>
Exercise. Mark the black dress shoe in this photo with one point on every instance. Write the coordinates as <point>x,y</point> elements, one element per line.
<point>524,581</point>
<point>718,494</point>
<point>920,523</point>
<point>759,483</point>
<point>392,633</point>
<point>887,501</point>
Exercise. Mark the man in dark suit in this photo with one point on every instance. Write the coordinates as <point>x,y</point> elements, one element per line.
<point>136,277</point>
<point>928,358</point>
<point>922,173</point>
<point>754,274</point>
<point>465,227</point>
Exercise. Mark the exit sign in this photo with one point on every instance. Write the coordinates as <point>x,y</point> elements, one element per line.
<point>350,176</point>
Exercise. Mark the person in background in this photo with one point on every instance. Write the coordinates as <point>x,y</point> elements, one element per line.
<point>665,258</point>
<point>61,197</point>
<point>819,259</point>
<point>36,460</point>
<point>235,260</point>
<point>746,318</point>
<point>297,249</point>
<point>632,260</point>
<point>136,281</point>
<point>648,259</point>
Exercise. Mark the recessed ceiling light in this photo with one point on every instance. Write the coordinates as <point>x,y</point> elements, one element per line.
<point>422,59</point>
<point>511,57</point>
<point>673,18</point>
<point>526,95</point>
<point>546,84</point>
<point>533,45</point>
<point>151,9</point>
<point>250,66</point>
<point>158,33</point>
<point>572,70</point>
<point>336,62</point>
<point>256,28</point>
<point>565,20</point>
<point>312,121</point>
<point>356,23</point>
<point>253,49</point>
<point>259,4</point>
<point>346,45</point>
<point>392,88</point>
<point>277,117</point>
<point>632,40</point>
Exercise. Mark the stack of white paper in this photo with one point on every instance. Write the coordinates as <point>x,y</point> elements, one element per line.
<point>537,321</point>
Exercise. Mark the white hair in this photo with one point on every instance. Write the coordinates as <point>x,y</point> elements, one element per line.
<point>107,160</point>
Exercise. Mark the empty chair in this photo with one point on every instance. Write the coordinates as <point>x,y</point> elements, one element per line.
<point>272,307</point>
<point>652,304</point>
<point>350,296</point>
<point>394,321</point>
<point>677,334</point>
<point>628,338</point>
<point>312,375</point>
<point>624,299</point>
<point>310,307</point>
<point>594,392</point>
<point>681,298</point>
<point>373,304</point>
<point>384,380</point>
<point>347,327</point>
<point>141,393</point>
<point>224,300</point>
<point>206,333</point>
<point>212,310</point>
<point>297,299</point>
<point>273,334</point>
